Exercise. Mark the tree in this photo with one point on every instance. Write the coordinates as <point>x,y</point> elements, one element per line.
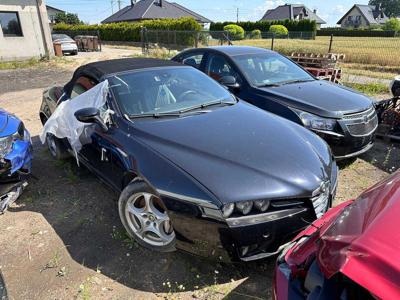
<point>67,18</point>
<point>278,30</point>
<point>392,24</point>
<point>235,31</point>
<point>390,7</point>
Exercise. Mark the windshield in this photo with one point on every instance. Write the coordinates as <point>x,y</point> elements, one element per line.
<point>270,69</point>
<point>60,37</point>
<point>165,90</point>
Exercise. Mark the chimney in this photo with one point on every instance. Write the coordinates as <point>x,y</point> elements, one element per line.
<point>315,11</point>
<point>133,2</point>
<point>291,12</point>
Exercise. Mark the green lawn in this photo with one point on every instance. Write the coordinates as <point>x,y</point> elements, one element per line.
<point>361,50</point>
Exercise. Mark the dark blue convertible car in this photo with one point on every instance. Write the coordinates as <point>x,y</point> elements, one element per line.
<point>194,167</point>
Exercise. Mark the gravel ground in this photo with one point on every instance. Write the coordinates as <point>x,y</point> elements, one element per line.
<point>63,238</point>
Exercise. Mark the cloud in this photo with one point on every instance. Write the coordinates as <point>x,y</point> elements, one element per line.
<point>260,10</point>
<point>339,9</point>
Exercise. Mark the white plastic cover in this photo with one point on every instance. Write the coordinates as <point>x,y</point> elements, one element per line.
<point>63,123</point>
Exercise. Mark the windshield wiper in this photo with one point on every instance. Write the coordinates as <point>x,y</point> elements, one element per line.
<point>204,105</point>
<point>295,81</point>
<point>269,85</point>
<point>155,115</point>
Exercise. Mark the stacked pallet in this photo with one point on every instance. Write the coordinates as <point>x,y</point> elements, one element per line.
<point>322,66</point>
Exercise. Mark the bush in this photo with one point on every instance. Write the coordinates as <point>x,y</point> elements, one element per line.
<point>126,31</point>
<point>355,32</point>
<point>235,31</point>
<point>291,25</point>
<point>278,30</point>
<point>392,24</point>
<point>255,34</point>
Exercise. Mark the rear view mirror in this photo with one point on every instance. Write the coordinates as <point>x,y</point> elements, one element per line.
<point>90,115</point>
<point>395,86</point>
<point>230,82</point>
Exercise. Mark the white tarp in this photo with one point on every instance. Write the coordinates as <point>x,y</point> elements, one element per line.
<point>63,123</point>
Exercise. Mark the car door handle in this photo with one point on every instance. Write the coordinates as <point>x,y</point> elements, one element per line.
<point>104,157</point>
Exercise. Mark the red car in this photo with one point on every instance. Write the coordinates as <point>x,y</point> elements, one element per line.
<point>352,252</point>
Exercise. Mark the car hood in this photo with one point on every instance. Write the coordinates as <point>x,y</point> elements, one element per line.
<point>8,124</point>
<point>364,241</point>
<point>64,41</point>
<point>241,152</point>
<point>319,97</point>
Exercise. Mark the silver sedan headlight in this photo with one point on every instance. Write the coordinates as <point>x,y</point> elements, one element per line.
<point>315,122</point>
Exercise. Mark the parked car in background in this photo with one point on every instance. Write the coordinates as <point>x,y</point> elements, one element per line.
<point>15,158</point>
<point>344,118</point>
<point>195,168</point>
<point>352,252</point>
<point>68,45</point>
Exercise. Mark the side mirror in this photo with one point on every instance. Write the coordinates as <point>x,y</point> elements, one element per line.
<point>395,87</point>
<point>90,115</point>
<point>230,82</point>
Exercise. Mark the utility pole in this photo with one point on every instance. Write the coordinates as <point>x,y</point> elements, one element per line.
<point>237,14</point>
<point>112,6</point>
<point>119,4</point>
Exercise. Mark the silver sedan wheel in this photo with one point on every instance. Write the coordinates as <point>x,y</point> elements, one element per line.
<point>148,220</point>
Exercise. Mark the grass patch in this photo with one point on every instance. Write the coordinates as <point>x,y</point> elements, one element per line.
<point>362,50</point>
<point>33,62</point>
<point>371,89</point>
<point>10,65</point>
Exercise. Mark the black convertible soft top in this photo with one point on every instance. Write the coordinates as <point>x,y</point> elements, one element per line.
<point>98,70</point>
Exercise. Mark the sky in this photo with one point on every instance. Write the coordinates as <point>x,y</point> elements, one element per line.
<point>94,11</point>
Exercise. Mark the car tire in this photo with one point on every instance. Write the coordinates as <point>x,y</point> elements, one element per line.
<point>56,147</point>
<point>75,53</point>
<point>145,218</point>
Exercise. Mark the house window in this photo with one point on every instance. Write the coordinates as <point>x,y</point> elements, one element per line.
<point>10,24</point>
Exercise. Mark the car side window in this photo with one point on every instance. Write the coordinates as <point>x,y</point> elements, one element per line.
<point>219,67</point>
<point>82,85</point>
<point>193,59</point>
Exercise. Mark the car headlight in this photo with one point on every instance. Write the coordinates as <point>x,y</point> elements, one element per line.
<point>245,207</point>
<point>261,205</point>
<point>5,145</point>
<point>311,121</point>
<point>228,209</point>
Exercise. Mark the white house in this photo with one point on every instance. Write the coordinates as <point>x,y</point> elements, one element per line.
<point>52,13</point>
<point>362,16</point>
<point>24,30</point>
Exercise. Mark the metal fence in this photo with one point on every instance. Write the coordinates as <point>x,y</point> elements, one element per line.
<point>382,51</point>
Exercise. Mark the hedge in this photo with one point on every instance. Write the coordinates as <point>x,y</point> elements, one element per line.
<point>355,32</point>
<point>126,31</point>
<point>302,25</point>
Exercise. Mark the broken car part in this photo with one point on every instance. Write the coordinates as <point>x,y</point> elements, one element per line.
<point>350,253</point>
<point>15,158</point>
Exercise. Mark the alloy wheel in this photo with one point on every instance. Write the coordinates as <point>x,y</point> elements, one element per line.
<point>148,219</point>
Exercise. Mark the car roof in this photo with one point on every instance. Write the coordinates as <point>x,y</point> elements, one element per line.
<point>106,67</point>
<point>98,70</point>
<point>239,50</point>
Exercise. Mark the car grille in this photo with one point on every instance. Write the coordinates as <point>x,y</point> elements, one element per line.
<point>362,124</point>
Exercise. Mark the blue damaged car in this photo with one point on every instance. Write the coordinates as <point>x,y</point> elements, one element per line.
<point>15,158</point>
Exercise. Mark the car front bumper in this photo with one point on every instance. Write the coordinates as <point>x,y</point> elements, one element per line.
<point>347,146</point>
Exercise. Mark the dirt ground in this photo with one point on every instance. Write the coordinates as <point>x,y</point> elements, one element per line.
<point>63,238</point>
